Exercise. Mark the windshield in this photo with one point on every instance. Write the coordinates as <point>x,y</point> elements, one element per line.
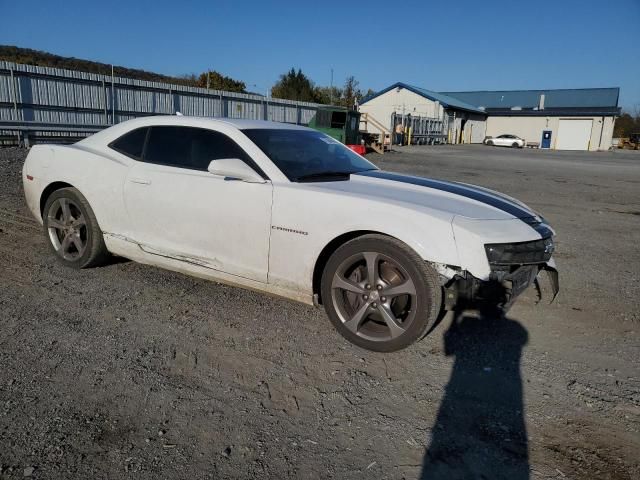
<point>307,155</point>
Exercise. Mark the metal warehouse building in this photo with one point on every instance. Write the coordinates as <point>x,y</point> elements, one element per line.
<point>567,119</point>
<point>50,104</point>
<point>458,121</point>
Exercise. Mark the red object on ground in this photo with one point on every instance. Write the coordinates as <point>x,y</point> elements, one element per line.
<point>359,149</point>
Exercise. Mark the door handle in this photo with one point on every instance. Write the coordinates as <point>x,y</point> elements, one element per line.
<point>141,181</point>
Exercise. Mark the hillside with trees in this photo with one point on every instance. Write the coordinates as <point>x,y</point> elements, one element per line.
<point>293,85</point>
<point>28,56</point>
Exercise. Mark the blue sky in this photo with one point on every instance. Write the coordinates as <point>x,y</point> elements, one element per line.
<point>439,45</point>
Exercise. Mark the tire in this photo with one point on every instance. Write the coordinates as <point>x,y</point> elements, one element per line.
<point>515,145</point>
<point>379,294</point>
<point>490,143</point>
<point>72,230</point>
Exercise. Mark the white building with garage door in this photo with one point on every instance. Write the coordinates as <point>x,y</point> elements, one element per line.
<point>565,119</point>
<point>434,117</point>
<point>568,119</point>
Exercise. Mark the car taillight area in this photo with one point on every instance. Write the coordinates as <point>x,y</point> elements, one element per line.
<point>522,253</point>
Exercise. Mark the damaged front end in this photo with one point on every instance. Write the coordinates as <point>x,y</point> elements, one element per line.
<point>514,268</point>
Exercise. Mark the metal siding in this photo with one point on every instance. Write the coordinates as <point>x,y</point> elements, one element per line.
<point>46,94</point>
<point>6,90</point>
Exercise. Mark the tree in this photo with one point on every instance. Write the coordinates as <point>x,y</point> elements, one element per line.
<point>627,123</point>
<point>348,96</point>
<point>294,86</point>
<point>351,94</point>
<point>216,81</point>
<point>327,95</point>
<point>368,93</point>
<point>297,86</point>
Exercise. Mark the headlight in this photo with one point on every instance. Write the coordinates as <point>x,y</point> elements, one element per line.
<point>522,253</point>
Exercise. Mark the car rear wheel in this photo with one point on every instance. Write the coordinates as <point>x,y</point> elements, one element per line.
<point>379,294</point>
<point>72,229</point>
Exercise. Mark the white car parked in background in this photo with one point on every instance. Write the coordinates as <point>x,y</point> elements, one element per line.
<point>505,141</point>
<point>290,211</point>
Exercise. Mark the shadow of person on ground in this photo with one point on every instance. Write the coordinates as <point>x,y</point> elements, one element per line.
<point>480,432</point>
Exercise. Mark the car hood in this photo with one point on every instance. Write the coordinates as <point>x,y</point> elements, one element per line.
<point>451,198</point>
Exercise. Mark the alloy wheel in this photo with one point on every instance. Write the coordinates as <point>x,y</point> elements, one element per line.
<point>374,296</point>
<point>67,229</point>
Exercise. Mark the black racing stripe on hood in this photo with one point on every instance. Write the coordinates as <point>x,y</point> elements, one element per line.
<point>457,189</point>
<point>539,225</point>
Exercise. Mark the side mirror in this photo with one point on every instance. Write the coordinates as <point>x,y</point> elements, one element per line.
<point>234,169</point>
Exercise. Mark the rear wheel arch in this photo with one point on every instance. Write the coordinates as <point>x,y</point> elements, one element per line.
<point>72,229</point>
<point>52,187</point>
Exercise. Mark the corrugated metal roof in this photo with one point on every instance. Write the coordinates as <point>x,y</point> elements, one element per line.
<point>445,100</point>
<point>574,101</point>
<point>564,98</point>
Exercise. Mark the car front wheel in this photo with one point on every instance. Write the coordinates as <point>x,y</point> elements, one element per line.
<point>72,229</point>
<point>379,294</point>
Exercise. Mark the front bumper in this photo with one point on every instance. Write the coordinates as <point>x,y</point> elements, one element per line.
<point>501,289</point>
<point>497,272</point>
<point>473,236</point>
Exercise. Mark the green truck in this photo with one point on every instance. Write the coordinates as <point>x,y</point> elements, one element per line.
<point>340,123</point>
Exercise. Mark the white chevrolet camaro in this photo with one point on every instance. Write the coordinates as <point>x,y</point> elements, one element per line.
<point>287,210</point>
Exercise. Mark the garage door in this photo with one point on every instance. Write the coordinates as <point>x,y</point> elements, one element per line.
<point>476,129</point>
<point>574,135</point>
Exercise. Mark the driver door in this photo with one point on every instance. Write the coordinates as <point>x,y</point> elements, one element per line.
<point>177,209</point>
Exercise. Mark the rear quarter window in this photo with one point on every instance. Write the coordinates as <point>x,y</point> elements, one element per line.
<point>131,144</point>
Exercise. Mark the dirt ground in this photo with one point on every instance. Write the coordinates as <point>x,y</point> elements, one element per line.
<point>128,371</point>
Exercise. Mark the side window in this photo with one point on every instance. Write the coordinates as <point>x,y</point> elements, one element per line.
<point>131,144</point>
<point>208,145</point>
<point>192,148</point>
<point>338,119</point>
<point>169,146</point>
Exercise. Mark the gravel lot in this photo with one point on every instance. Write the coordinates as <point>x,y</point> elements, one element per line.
<point>128,371</point>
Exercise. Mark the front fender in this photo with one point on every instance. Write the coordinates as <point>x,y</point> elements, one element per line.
<point>471,235</point>
<point>303,225</point>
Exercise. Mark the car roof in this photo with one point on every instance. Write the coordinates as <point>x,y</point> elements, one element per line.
<point>191,121</point>
<point>115,131</point>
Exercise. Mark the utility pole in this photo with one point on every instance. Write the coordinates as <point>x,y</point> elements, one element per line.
<point>331,89</point>
<point>208,78</point>
<point>113,98</point>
